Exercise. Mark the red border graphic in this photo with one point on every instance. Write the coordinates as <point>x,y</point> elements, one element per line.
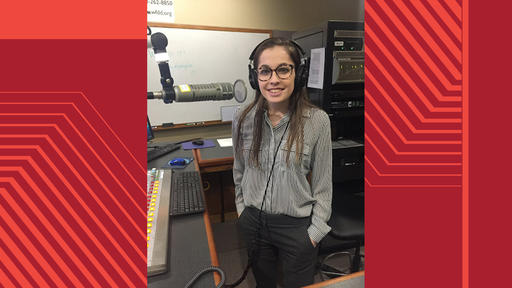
<point>414,143</point>
<point>63,181</point>
<point>72,164</point>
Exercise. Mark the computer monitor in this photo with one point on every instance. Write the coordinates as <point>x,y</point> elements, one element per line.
<point>150,131</point>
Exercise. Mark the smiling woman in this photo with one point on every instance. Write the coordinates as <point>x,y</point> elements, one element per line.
<point>279,139</point>
<point>275,88</point>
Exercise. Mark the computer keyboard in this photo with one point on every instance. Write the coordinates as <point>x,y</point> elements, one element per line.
<point>158,202</point>
<point>186,193</point>
<point>162,150</point>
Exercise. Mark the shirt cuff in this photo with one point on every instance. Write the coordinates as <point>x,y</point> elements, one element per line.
<point>317,235</point>
<point>240,207</point>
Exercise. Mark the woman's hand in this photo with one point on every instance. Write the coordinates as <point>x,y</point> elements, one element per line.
<point>313,242</point>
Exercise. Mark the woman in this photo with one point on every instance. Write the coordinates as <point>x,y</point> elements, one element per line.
<point>281,140</point>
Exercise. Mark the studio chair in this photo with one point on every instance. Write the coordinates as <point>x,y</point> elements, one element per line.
<point>347,234</point>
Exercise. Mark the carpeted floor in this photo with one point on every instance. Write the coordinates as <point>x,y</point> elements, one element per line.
<point>232,254</point>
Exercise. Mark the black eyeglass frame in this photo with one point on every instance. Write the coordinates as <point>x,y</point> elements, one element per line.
<point>291,66</point>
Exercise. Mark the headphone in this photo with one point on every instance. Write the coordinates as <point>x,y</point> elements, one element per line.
<point>301,72</point>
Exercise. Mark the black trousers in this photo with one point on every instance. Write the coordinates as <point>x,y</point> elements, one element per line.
<point>282,240</point>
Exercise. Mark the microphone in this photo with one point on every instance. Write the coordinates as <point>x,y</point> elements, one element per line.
<point>204,92</point>
<point>157,42</point>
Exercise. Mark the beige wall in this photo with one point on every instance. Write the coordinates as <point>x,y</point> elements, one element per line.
<point>291,15</point>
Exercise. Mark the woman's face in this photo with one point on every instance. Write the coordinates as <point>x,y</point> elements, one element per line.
<point>278,65</point>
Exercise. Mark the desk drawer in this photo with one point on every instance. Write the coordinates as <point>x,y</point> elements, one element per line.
<point>212,185</point>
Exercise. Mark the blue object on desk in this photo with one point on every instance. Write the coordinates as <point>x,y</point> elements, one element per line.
<point>179,163</point>
<point>190,145</point>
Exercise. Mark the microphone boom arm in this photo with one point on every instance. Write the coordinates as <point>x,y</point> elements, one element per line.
<point>158,42</point>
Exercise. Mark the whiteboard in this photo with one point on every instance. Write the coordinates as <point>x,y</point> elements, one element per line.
<point>200,57</point>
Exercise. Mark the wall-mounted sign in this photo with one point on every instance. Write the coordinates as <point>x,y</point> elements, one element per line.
<point>161,11</point>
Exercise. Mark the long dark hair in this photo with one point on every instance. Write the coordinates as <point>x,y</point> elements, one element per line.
<point>299,103</point>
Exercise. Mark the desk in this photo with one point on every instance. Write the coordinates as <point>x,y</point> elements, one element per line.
<point>191,245</point>
<point>355,280</point>
<point>215,159</point>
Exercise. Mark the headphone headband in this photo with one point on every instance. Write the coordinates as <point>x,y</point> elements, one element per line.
<point>301,51</point>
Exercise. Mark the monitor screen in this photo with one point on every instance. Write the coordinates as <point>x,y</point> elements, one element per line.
<point>149,130</point>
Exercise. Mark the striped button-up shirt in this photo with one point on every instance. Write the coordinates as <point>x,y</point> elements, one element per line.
<point>289,192</point>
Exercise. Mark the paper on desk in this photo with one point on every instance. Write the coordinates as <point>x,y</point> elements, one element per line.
<point>225,142</point>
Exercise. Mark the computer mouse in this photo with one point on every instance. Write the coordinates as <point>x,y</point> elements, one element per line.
<point>198,142</point>
<point>178,162</point>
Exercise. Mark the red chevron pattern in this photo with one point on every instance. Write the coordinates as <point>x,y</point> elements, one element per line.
<point>414,130</point>
<point>71,197</point>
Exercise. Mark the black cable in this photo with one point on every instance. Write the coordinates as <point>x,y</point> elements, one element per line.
<point>206,270</point>
<point>255,247</point>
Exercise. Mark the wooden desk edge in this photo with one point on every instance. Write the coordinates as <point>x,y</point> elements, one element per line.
<point>335,280</point>
<point>211,162</point>
<point>209,235</point>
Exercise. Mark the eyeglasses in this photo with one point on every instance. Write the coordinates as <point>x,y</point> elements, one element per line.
<point>283,72</point>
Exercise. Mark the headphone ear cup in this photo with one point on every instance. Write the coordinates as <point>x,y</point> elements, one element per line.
<point>302,75</point>
<point>298,78</point>
<point>253,78</point>
<point>305,73</point>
